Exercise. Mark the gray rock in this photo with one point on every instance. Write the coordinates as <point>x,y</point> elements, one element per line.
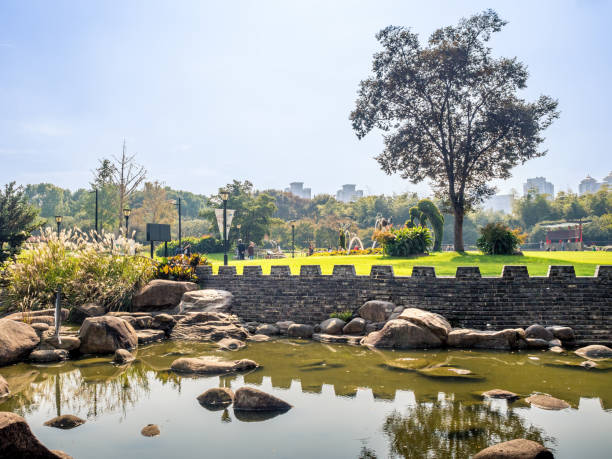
<point>106,334</point>
<point>547,402</point>
<point>207,300</point>
<point>536,331</point>
<point>500,393</point>
<point>163,322</point>
<point>283,326</point>
<point>160,294</point>
<point>209,365</point>
<point>332,326</point>
<point>394,316</point>
<point>467,338</point>
<point>259,338</point>
<point>374,326</point>
<point>594,351</point>
<point>376,310</point>
<point>515,449</point>
<point>78,314</point>
<point>267,329</point>
<point>65,421</point>
<point>122,357</point>
<point>402,334</point>
<point>17,340</point>
<point>300,331</point>
<point>48,356</point>
<point>231,344</point>
<point>150,430</point>
<point>40,328</point>
<point>68,343</point>
<point>535,343</point>
<point>437,324</point>
<point>32,315</point>
<point>250,399</point>
<point>150,336</point>
<point>209,326</point>
<point>399,309</point>
<point>18,441</point>
<point>555,343</point>
<point>217,397</point>
<point>355,326</point>
<point>565,334</point>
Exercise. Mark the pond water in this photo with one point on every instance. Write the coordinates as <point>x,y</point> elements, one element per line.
<point>349,402</point>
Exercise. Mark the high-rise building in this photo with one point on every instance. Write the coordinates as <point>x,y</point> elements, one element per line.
<point>589,185</point>
<point>540,186</point>
<point>500,203</point>
<point>297,189</point>
<point>348,193</point>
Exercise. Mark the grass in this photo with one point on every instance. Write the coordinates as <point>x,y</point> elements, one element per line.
<point>446,263</point>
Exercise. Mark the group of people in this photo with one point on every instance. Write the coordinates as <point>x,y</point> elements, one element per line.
<point>248,249</point>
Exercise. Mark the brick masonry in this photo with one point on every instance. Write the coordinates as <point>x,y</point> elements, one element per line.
<point>512,300</point>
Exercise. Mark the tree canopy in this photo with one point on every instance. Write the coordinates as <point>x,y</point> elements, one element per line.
<point>17,219</point>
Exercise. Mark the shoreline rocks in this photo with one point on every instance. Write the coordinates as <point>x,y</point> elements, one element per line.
<point>206,300</point>
<point>123,356</point>
<point>216,398</point>
<point>17,341</point>
<point>106,334</point>
<point>161,294</point>
<point>203,365</point>
<point>250,399</point>
<point>519,448</point>
<point>594,352</point>
<point>547,402</point>
<point>17,440</point>
<point>402,334</point>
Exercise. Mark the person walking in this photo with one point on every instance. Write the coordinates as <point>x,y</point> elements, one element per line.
<point>251,250</point>
<point>241,249</point>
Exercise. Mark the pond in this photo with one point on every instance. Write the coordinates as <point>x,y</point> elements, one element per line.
<point>348,402</point>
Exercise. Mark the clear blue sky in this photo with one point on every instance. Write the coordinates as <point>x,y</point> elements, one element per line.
<point>205,92</point>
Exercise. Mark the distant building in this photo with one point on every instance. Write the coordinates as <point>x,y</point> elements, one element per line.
<point>297,189</point>
<point>608,181</point>
<point>539,185</point>
<point>589,185</point>
<point>500,203</point>
<point>348,193</point>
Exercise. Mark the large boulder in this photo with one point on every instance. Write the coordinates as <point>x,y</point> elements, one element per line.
<point>515,449</point>
<point>537,331</point>
<point>160,294</point>
<point>65,421</point>
<point>122,357</point>
<point>467,338</point>
<point>18,441</point>
<point>216,398</point>
<point>356,326</point>
<point>17,340</point>
<point>34,315</point>
<point>283,326</point>
<point>402,334</point>
<point>376,310</point>
<point>565,334</point>
<point>207,300</point>
<point>209,326</point>
<point>250,399</point>
<point>4,387</point>
<point>66,342</point>
<point>81,312</point>
<point>48,355</point>
<point>332,326</point>
<point>267,329</point>
<point>595,351</point>
<point>150,336</point>
<point>106,334</point>
<point>437,324</point>
<point>547,402</point>
<point>300,331</point>
<point>211,365</point>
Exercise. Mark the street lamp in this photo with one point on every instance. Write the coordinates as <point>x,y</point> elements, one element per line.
<point>292,238</point>
<point>58,220</point>
<point>224,195</point>
<point>178,205</point>
<point>126,214</point>
<point>95,190</point>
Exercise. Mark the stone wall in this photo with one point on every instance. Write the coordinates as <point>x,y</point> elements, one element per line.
<point>514,299</point>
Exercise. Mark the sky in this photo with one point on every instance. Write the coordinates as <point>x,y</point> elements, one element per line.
<point>205,92</point>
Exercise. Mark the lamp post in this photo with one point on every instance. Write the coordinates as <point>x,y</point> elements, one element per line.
<point>292,238</point>
<point>126,214</point>
<point>95,190</point>
<point>224,195</point>
<point>178,205</point>
<point>58,220</point>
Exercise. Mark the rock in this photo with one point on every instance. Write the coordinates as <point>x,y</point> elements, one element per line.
<point>231,344</point>
<point>48,356</point>
<point>150,336</point>
<point>18,441</point>
<point>164,322</point>
<point>283,326</point>
<point>250,399</point>
<point>79,313</point>
<point>536,331</point>
<point>398,309</point>
<point>300,331</point>
<point>40,327</point>
<point>122,357</point>
<point>65,421</point>
<point>210,365</point>
<point>593,352</point>
<point>217,397</point>
<point>407,364</point>
<point>515,449</point>
<point>394,315</point>
<point>332,326</point>
<point>259,338</point>
<point>374,326</point>
<point>447,373</point>
<point>207,300</point>
<point>143,323</point>
<point>562,333</point>
<point>437,324</point>
<point>402,334</point>
<point>30,316</point>
<point>557,350</point>
<point>547,402</point>
<point>4,388</point>
<point>355,340</point>
<point>555,342</point>
<point>355,326</point>
<point>536,343</point>
<point>17,340</point>
<point>500,393</point>
<point>106,334</point>
<point>209,326</point>
<point>150,430</point>
<point>267,329</point>
<point>376,310</point>
<point>68,343</point>
<point>160,294</point>
<point>478,339</point>
<point>588,364</point>
<point>61,454</point>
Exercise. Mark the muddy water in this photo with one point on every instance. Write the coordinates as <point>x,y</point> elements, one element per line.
<point>348,402</point>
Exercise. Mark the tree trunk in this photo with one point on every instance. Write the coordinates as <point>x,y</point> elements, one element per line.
<point>459,230</point>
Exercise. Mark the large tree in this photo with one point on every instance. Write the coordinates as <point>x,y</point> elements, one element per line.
<point>451,112</point>
<point>17,219</point>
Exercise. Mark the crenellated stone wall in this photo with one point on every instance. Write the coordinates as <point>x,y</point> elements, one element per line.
<point>514,299</point>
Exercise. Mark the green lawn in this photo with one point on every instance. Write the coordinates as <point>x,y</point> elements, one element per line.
<point>445,263</point>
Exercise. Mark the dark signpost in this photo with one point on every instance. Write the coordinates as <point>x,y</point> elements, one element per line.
<point>157,232</point>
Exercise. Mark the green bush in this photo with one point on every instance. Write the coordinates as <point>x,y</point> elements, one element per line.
<point>499,239</point>
<point>206,244</point>
<point>344,315</point>
<point>405,241</point>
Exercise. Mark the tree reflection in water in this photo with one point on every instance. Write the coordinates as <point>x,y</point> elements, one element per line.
<point>450,429</point>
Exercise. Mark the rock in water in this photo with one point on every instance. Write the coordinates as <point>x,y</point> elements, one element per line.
<point>437,324</point>
<point>283,326</point>
<point>376,310</point>
<point>250,399</point>
<point>355,326</point>
<point>563,333</point>
<point>300,331</point>
<point>231,344</point>
<point>17,340</point>
<point>211,365</point>
<point>4,387</point>
<point>217,397</point>
<point>547,402</point>
<point>332,326</point>
<point>401,334</point>
<point>160,294</point>
<point>467,338</point>
<point>500,393</point>
<point>122,356</point>
<point>150,336</point>
<point>595,351</point>
<point>515,449</point>
<point>150,430</point>
<point>18,441</point>
<point>48,356</point>
<point>106,334</point>
<point>65,421</point>
<point>209,326</point>
<point>68,343</point>
<point>207,300</point>
<point>267,329</point>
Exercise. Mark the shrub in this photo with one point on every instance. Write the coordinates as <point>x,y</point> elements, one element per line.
<point>90,267</point>
<point>344,315</point>
<point>499,239</point>
<point>405,241</point>
<point>180,267</point>
<point>206,244</point>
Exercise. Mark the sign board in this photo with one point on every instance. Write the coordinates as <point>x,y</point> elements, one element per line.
<point>230,217</point>
<point>158,232</point>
